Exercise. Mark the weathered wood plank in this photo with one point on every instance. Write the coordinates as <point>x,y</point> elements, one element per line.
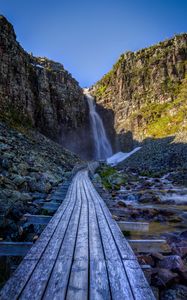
<point>40,276</point>
<point>147,246</point>
<point>20,278</point>
<point>145,289</point>
<point>58,281</point>
<point>120,288</point>
<point>133,226</point>
<point>14,248</point>
<point>122,244</point>
<point>99,285</point>
<point>50,206</point>
<point>81,254</point>
<point>37,219</point>
<point>78,282</point>
<point>138,282</point>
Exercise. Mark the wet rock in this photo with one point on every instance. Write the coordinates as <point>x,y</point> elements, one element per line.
<point>149,197</point>
<point>180,248</point>
<point>183,235</point>
<point>157,256</point>
<point>18,180</point>
<point>116,218</point>
<point>175,219</point>
<point>172,238</point>
<point>122,203</point>
<point>172,262</point>
<point>177,292</point>
<point>164,277</point>
<point>38,195</point>
<point>146,260</point>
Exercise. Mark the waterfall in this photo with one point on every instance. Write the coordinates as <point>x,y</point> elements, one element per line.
<point>102,145</point>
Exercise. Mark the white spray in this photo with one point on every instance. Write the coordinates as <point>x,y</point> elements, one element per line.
<point>102,145</point>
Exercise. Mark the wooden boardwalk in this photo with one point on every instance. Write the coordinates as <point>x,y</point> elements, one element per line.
<point>81,254</point>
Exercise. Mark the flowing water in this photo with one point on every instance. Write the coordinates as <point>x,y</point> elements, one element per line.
<point>102,146</point>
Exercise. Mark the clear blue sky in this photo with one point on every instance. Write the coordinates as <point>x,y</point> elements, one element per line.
<point>87,37</point>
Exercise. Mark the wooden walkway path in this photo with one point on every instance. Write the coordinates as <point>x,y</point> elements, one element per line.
<point>81,254</point>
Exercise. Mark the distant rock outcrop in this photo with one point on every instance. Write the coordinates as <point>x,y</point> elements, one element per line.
<point>147,91</point>
<point>37,92</point>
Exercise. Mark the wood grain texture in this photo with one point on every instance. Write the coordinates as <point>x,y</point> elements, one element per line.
<point>81,254</point>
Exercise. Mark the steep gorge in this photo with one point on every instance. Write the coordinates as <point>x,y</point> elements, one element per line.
<point>146,92</point>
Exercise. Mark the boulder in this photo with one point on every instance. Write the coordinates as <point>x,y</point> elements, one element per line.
<point>164,277</point>
<point>177,292</point>
<point>172,262</point>
<point>122,203</point>
<point>183,235</point>
<point>149,197</point>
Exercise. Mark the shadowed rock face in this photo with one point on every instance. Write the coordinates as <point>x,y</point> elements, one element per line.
<point>146,90</point>
<point>37,92</point>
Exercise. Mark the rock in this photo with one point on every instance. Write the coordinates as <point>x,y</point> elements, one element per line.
<point>18,180</point>
<point>175,219</point>
<point>180,248</point>
<point>6,163</point>
<point>183,235</point>
<point>149,198</point>
<point>172,262</point>
<point>163,278</point>
<point>116,218</point>
<point>157,256</point>
<point>146,260</point>
<point>122,203</point>
<point>177,292</point>
<point>139,77</point>
<point>172,238</point>
<point>38,84</point>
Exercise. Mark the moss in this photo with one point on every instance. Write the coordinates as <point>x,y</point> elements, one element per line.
<point>111,179</point>
<point>162,119</point>
<point>16,119</point>
<point>104,173</point>
<point>100,91</point>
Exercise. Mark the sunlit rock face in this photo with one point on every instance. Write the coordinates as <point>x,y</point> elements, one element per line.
<point>37,92</point>
<point>146,91</point>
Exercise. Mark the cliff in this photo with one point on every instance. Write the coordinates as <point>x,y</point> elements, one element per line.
<point>147,91</point>
<point>37,92</point>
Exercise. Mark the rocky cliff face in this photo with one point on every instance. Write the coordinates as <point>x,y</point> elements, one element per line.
<point>37,92</point>
<point>147,91</point>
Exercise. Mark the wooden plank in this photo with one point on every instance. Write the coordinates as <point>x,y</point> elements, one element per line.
<point>140,287</point>
<point>78,282</point>
<point>122,244</point>
<point>133,226</point>
<point>14,248</point>
<point>20,278</point>
<point>58,281</point>
<point>51,206</point>
<point>81,231</point>
<point>119,212</point>
<point>99,285</point>
<point>40,276</point>
<point>151,246</point>
<point>120,288</point>
<point>37,219</point>
<point>145,289</point>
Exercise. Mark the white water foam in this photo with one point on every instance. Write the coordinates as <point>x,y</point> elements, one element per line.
<point>102,146</point>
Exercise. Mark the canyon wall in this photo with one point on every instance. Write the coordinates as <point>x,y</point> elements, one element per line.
<point>146,92</point>
<point>37,92</point>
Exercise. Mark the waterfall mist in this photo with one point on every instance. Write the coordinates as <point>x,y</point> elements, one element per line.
<point>102,146</point>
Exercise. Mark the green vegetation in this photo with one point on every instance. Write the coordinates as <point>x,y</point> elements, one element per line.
<point>16,119</point>
<point>163,119</point>
<point>110,178</point>
<point>101,90</point>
